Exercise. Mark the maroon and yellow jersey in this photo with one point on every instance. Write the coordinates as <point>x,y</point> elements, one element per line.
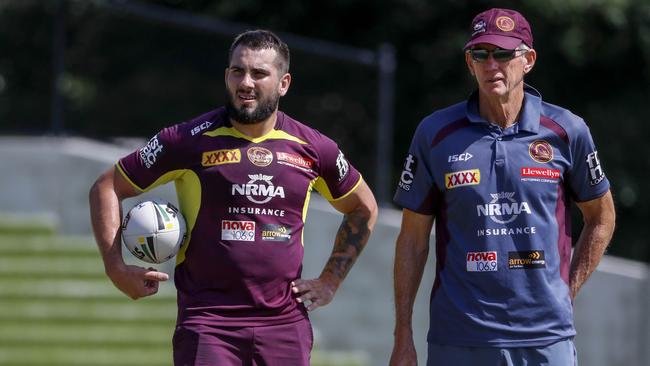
<point>245,201</point>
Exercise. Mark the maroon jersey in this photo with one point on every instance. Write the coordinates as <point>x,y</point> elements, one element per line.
<point>245,201</point>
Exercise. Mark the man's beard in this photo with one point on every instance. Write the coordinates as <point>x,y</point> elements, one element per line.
<point>265,107</point>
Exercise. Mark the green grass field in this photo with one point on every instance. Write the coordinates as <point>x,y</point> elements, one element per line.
<point>58,308</point>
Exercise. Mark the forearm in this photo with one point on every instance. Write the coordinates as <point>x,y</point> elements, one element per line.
<point>360,214</point>
<point>600,217</point>
<point>350,240</point>
<point>410,261</point>
<point>591,246</point>
<point>106,219</point>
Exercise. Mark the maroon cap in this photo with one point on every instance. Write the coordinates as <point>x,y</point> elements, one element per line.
<point>503,28</point>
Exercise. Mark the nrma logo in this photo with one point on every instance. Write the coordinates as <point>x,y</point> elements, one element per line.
<point>259,189</point>
<point>503,208</point>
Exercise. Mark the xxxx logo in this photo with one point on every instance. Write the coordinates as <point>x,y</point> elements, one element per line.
<point>218,157</point>
<point>462,178</point>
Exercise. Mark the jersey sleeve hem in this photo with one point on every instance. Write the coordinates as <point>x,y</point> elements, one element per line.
<point>354,188</point>
<point>121,170</point>
<point>592,196</point>
<point>414,209</point>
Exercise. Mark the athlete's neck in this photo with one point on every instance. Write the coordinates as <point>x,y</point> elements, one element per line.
<point>501,110</point>
<point>256,130</point>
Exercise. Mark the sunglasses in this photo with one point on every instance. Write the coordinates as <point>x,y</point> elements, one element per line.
<point>498,54</point>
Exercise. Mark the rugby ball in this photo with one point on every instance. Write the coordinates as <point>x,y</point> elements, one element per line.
<point>153,231</point>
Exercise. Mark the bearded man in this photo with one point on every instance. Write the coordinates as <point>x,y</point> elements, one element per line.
<point>243,174</point>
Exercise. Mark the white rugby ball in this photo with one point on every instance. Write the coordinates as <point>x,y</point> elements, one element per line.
<point>154,231</point>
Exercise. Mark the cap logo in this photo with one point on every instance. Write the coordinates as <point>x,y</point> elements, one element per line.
<point>479,27</point>
<point>505,23</point>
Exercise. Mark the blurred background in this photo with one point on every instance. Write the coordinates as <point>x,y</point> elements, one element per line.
<point>84,82</point>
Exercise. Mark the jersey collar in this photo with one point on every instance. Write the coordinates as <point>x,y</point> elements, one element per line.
<point>529,116</point>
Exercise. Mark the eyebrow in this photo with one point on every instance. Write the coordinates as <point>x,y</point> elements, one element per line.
<point>254,69</point>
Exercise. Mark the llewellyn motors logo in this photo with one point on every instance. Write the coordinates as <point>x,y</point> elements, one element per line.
<point>540,173</point>
<point>295,160</point>
<point>546,175</point>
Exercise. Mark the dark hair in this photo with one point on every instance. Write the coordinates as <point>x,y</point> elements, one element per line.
<point>260,39</point>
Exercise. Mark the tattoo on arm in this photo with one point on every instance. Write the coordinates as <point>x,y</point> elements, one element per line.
<point>350,240</point>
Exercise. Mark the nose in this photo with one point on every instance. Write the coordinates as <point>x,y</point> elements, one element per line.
<point>247,81</point>
<point>490,63</point>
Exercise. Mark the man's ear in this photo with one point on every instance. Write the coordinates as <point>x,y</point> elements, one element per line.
<point>468,61</point>
<point>285,82</point>
<point>531,58</point>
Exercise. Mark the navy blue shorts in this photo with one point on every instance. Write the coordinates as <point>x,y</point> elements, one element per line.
<point>562,353</point>
<point>274,345</point>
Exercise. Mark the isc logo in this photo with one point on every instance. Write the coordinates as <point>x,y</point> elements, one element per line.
<point>201,127</point>
<point>459,157</point>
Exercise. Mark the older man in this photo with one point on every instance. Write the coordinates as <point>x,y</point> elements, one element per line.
<point>498,172</point>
